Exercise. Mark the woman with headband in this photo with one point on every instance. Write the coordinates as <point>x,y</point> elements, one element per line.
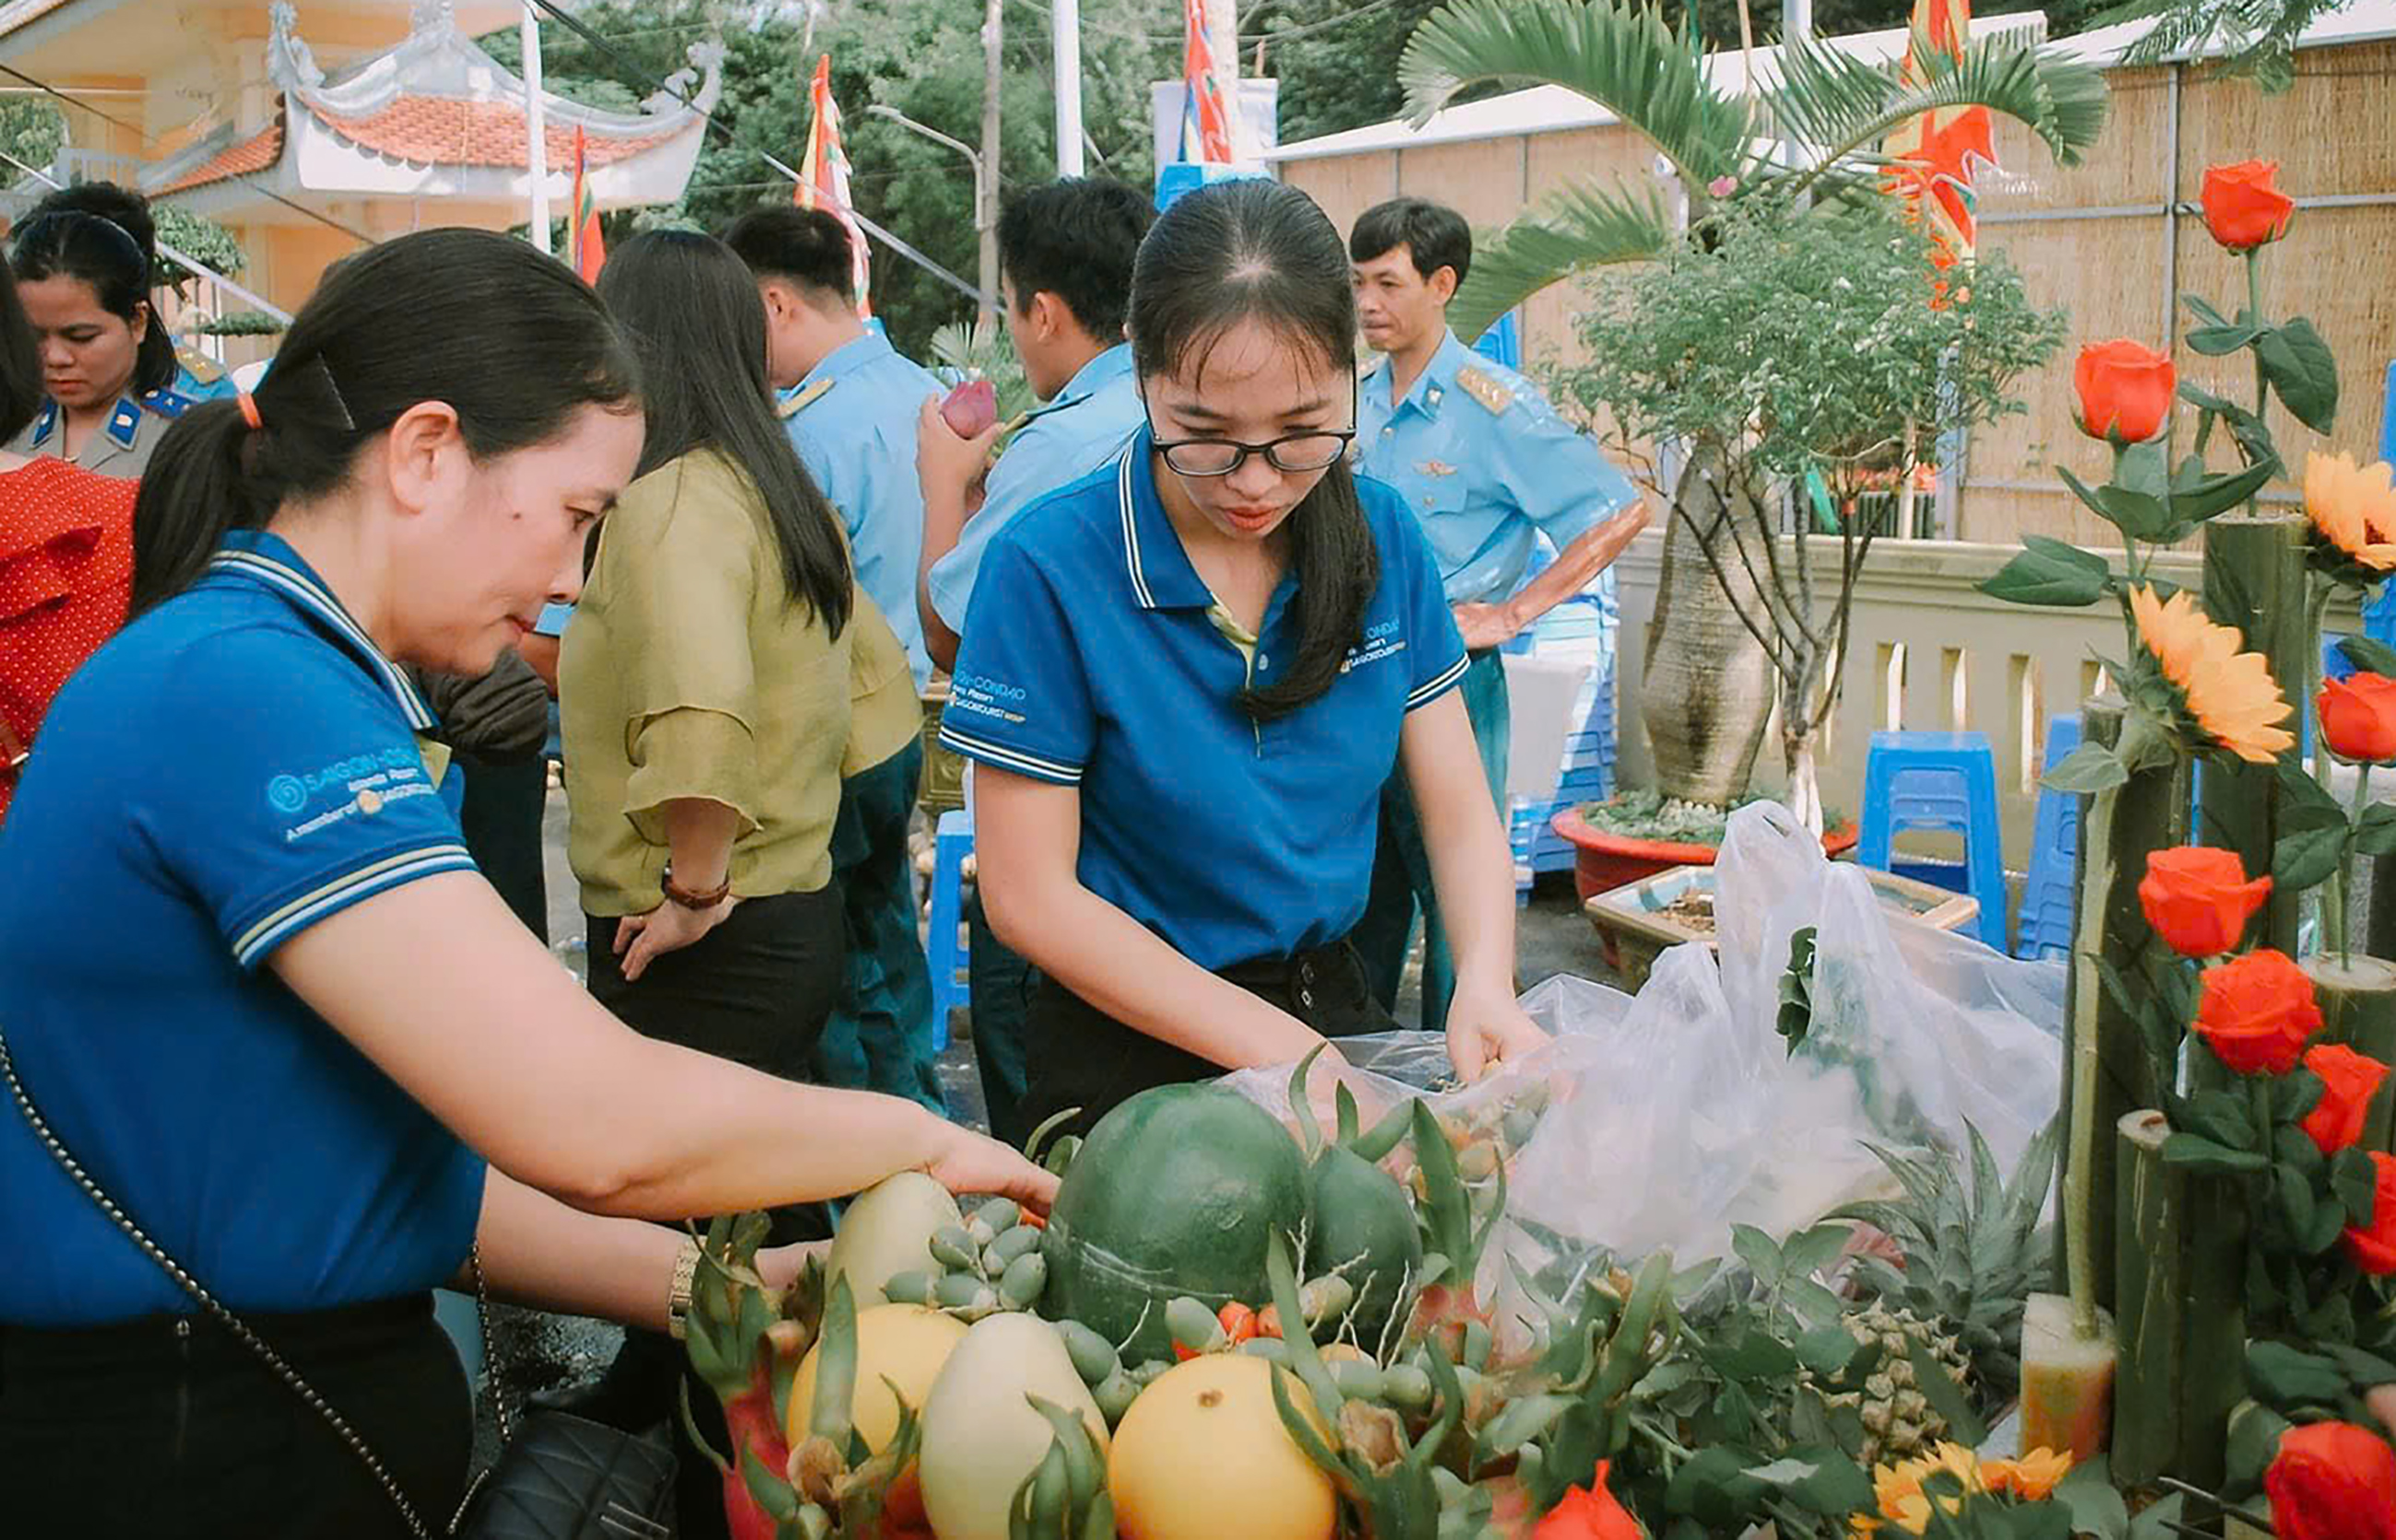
<point>108,364</point>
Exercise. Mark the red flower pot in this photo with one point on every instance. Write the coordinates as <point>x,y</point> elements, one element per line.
<point>1604,862</point>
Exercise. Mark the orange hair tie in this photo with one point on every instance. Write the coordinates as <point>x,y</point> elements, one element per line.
<point>248,404</point>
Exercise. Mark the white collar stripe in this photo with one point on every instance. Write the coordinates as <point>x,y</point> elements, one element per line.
<point>1131,534</point>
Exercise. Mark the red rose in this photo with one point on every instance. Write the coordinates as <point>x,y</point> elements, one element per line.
<point>2373,1248</point>
<point>2241,207</point>
<point>2358,717</point>
<point>1589,1513</point>
<point>2125,390</point>
<point>2351,1081</point>
<point>2256,1013</point>
<point>2199,900</point>
<point>2332,1480</point>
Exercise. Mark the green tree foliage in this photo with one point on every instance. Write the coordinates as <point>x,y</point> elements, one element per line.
<point>923,59</point>
<point>31,132</point>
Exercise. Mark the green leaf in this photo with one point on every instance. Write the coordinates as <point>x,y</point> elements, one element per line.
<point>2050,572</point>
<point>1827,1350</point>
<point>2307,857</point>
<point>2134,514</point>
<point>2304,804</point>
<point>2368,654</point>
<point>2302,372</point>
<point>1946,1396</point>
<point>1808,1251</point>
<point>2220,1116</point>
<point>2143,469</point>
<point>2202,309</point>
<point>2091,767</point>
<point>2217,495</point>
<point>2087,1493</point>
<point>2356,1181</point>
<point>2218,341</point>
<point>2282,1376</point>
<point>2191,1152</point>
<point>2254,1433</point>
<point>2155,1521</point>
<point>2376,836</point>
<point>1758,1251</point>
<point>2294,1197</point>
<point>1754,1355</point>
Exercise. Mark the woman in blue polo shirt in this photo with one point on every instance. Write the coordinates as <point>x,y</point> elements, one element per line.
<point>1182,675</point>
<point>251,982</point>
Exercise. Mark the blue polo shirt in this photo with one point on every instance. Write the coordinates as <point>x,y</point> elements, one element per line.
<point>853,421</point>
<point>233,767</point>
<point>1071,436</point>
<point>1093,662</point>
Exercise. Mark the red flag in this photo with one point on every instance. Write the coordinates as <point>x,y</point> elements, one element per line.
<point>1940,153</point>
<point>586,248</point>
<point>1205,126</point>
<point>824,176</point>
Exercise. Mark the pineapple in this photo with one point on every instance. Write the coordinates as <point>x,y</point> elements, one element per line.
<point>1974,1251</point>
<point>1898,1421</point>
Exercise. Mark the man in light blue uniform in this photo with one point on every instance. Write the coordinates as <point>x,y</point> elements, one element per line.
<point>849,407</point>
<point>1065,251</point>
<point>1488,467</point>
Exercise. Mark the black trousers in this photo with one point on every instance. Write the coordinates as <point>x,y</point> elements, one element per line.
<point>168,1429</point>
<point>756,990</point>
<point>1080,1056</point>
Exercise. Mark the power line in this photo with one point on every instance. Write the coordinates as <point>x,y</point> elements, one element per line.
<point>47,89</point>
<point>575,25</point>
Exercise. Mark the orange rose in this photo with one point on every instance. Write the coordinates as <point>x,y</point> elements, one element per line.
<point>2373,1248</point>
<point>2241,207</point>
<point>2351,1081</point>
<point>2125,390</point>
<point>2199,900</point>
<point>2256,1013</point>
<point>2358,717</point>
<point>1589,1513</point>
<point>2331,1481</point>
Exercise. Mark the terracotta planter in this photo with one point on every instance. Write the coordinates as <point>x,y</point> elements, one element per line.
<point>1602,861</point>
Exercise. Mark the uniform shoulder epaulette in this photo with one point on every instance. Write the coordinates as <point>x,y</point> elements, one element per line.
<point>199,366</point>
<point>1484,388</point>
<point>1371,367</point>
<point>806,398</point>
<point>167,403</point>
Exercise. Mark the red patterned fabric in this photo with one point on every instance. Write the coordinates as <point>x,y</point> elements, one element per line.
<point>66,575</point>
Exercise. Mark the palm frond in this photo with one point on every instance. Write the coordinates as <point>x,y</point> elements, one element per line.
<point>1583,225</point>
<point>1841,106</point>
<point>1620,54</point>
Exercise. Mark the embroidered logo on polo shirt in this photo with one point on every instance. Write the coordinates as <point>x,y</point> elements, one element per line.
<point>983,695</point>
<point>1381,641</point>
<point>368,783</point>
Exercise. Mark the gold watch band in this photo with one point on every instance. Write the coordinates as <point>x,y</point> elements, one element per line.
<point>685,1273</point>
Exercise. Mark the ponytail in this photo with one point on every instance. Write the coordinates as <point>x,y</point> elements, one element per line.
<point>509,339</point>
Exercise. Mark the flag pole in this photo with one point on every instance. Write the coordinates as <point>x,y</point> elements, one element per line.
<point>536,128</point>
<point>1065,37</point>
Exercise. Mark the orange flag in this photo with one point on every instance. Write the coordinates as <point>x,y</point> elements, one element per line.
<point>585,247</point>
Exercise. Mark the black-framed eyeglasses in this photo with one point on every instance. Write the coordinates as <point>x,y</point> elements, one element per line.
<point>1312,450</point>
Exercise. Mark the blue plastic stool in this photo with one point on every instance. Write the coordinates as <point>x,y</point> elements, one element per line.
<point>1524,821</point>
<point>2047,892</point>
<point>945,948</point>
<point>1938,780</point>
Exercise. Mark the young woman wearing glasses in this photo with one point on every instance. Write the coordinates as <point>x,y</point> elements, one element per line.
<point>1183,676</point>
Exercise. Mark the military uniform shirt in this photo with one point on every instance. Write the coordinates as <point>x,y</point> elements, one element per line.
<point>1487,466</point>
<point>853,421</point>
<point>124,442</point>
<point>1092,416</point>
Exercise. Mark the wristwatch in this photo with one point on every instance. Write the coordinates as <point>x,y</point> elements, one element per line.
<point>685,1273</point>
<point>688,898</point>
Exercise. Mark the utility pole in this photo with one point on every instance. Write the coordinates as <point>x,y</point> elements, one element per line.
<point>985,198</point>
<point>994,26</point>
<point>1065,43</point>
<point>535,128</point>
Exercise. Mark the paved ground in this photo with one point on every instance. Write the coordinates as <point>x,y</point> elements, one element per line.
<point>542,1351</point>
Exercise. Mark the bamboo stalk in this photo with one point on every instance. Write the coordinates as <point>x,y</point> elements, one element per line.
<point>2149,813</point>
<point>2357,1001</point>
<point>2181,1317</point>
<point>2255,582</point>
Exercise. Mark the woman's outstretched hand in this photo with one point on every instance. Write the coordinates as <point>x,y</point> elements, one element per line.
<point>968,1161</point>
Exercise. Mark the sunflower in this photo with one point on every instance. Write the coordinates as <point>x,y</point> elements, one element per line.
<point>2353,510</point>
<point>1898,1490</point>
<point>2031,1477</point>
<point>2229,695</point>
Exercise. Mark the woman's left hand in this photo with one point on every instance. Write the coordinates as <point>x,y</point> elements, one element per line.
<point>781,1266</point>
<point>1485,1027</point>
<point>640,938</point>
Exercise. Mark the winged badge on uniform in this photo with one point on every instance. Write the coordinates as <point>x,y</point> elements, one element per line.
<point>1434,468</point>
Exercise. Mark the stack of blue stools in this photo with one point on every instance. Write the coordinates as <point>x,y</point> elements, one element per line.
<point>2047,891</point>
<point>1939,781</point>
<point>945,947</point>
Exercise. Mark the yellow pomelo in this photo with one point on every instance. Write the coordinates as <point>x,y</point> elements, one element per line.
<point>907,1345</point>
<point>1203,1455</point>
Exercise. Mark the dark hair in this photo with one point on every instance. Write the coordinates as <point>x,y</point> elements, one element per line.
<point>692,310</point>
<point>20,366</point>
<point>1076,238</point>
<point>1434,235</point>
<point>1258,250</point>
<point>77,234</point>
<point>808,248</point>
<point>509,337</point>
